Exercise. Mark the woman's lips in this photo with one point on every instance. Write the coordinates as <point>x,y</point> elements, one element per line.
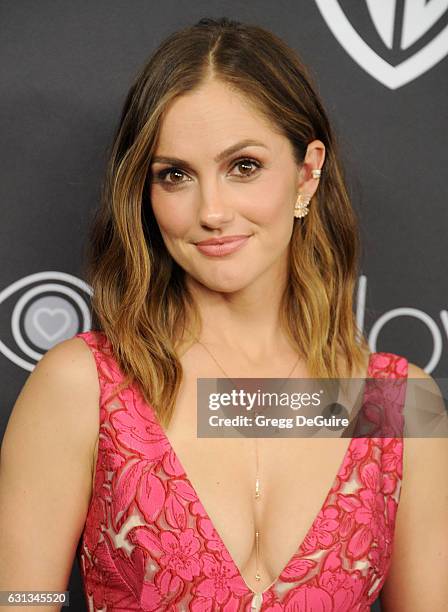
<point>225,248</point>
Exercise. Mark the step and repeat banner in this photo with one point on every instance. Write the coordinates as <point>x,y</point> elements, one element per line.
<point>381,70</point>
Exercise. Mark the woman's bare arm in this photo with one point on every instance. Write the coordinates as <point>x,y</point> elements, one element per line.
<point>46,470</point>
<point>418,577</point>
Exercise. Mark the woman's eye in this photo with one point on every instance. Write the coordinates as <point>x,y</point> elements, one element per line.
<point>168,171</point>
<point>247,162</point>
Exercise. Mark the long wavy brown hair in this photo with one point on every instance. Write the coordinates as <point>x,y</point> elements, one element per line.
<point>140,300</point>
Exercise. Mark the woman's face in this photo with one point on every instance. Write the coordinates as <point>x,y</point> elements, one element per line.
<point>199,191</point>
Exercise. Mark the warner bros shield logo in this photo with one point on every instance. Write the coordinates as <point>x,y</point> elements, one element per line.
<point>408,37</point>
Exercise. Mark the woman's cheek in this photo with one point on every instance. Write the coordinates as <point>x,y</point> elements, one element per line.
<point>173,220</point>
<point>271,211</point>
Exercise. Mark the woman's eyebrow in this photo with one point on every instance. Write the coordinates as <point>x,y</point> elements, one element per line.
<point>223,155</point>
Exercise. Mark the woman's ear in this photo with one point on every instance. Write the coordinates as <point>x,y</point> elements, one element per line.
<point>314,160</point>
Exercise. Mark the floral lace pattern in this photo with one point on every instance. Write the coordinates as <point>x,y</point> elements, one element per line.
<point>148,543</point>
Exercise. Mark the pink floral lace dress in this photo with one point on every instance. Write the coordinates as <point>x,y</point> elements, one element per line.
<point>148,543</point>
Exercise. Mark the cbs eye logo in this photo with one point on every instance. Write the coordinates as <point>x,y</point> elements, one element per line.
<point>47,307</point>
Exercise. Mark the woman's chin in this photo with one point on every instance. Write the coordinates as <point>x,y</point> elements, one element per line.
<point>228,285</point>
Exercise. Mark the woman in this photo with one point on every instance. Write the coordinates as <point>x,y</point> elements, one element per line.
<point>225,245</point>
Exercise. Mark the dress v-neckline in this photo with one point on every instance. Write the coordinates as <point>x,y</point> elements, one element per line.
<point>207,516</point>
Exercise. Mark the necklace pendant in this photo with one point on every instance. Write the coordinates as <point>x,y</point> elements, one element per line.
<point>258,576</point>
<point>257,489</point>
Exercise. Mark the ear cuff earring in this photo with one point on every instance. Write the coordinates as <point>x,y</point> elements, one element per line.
<point>301,206</point>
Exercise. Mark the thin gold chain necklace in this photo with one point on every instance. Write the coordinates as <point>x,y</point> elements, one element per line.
<point>257,478</point>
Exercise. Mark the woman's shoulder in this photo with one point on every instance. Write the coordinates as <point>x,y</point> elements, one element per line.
<point>426,412</point>
<point>68,373</point>
<point>415,371</point>
<point>47,460</point>
<point>71,361</point>
<point>423,501</point>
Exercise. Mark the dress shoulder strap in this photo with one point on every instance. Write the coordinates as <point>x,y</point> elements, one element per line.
<point>110,375</point>
<point>384,397</point>
<point>388,365</point>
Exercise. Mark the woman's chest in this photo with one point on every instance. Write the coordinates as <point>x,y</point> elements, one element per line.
<point>196,498</point>
<point>294,476</point>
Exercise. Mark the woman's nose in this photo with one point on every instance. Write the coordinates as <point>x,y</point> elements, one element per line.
<point>213,210</point>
